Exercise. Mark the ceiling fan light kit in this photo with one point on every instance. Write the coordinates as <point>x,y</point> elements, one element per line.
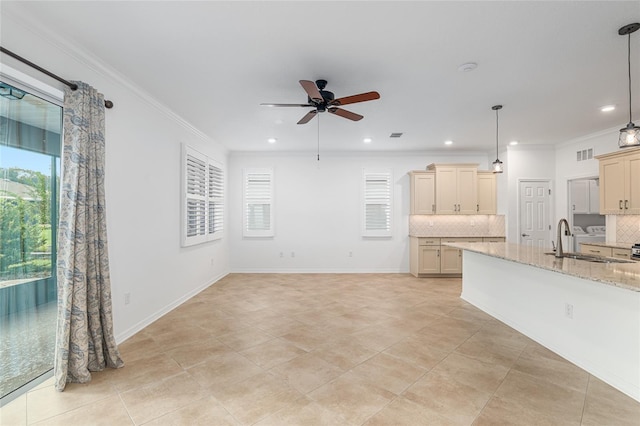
<point>629,135</point>
<point>497,165</point>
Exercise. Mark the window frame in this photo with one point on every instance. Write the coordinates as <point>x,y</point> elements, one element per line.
<point>207,196</point>
<point>367,199</point>
<point>268,200</point>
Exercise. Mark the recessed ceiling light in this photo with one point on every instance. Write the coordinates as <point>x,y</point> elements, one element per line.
<point>513,143</point>
<point>366,140</point>
<point>469,66</point>
<point>272,140</point>
<point>607,108</point>
<point>448,142</point>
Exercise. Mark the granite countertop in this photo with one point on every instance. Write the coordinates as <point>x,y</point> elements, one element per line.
<point>623,275</point>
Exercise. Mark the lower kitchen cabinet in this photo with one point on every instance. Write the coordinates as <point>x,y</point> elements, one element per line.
<point>430,257</point>
<point>451,260</point>
<point>617,252</point>
<point>597,250</point>
<point>424,256</point>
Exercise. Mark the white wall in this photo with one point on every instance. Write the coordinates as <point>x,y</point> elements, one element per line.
<point>525,162</point>
<point>142,184</point>
<point>568,168</point>
<point>317,212</point>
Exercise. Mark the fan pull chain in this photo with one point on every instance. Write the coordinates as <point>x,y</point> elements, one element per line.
<point>318,136</point>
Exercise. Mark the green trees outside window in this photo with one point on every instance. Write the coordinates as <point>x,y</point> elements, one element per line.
<point>25,224</point>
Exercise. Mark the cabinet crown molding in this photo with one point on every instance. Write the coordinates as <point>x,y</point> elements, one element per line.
<point>432,166</point>
<point>620,153</point>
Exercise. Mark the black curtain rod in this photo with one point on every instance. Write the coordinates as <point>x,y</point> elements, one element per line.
<point>72,86</point>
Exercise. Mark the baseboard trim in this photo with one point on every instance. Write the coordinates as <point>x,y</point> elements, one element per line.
<point>121,337</point>
<point>317,271</point>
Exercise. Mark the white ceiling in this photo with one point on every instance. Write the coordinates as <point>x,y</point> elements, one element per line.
<point>551,64</point>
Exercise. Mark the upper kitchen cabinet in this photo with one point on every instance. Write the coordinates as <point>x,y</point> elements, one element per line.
<point>585,196</point>
<point>423,195</point>
<point>487,203</point>
<point>456,188</point>
<point>620,182</point>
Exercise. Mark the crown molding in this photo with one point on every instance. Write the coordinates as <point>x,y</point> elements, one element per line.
<point>43,31</point>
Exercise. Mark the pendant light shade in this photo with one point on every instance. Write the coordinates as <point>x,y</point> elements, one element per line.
<point>629,135</point>
<point>497,165</point>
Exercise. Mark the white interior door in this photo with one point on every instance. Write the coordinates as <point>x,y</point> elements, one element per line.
<point>535,208</point>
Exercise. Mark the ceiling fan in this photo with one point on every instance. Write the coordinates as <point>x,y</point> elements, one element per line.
<point>323,100</point>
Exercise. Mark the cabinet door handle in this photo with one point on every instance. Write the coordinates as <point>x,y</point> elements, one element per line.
<point>433,208</point>
<point>525,235</point>
<point>574,207</point>
<point>477,207</point>
<point>626,204</point>
<point>620,205</point>
<point>438,252</point>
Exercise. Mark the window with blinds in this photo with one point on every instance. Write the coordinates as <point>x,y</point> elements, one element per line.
<point>203,198</point>
<point>377,197</point>
<point>258,203</point>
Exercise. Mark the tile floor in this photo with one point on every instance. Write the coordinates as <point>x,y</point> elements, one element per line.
<point>330,349</point>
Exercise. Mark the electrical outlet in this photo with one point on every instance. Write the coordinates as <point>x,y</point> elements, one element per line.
<point>350,254</point>
<point>293,254</point>
<point>430,223</point>
<point>281,254</point>
<point>568,310</point>
<point>472,223</point>
<point>127,298</point>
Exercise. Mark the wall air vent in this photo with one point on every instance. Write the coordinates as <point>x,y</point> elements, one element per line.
<point>585,154</point>
<point>395,135</point>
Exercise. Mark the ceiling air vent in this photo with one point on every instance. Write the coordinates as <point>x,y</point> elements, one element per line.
<point>395,135</point>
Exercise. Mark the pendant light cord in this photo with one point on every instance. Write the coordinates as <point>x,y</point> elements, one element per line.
<point>497,132</point>
<point>629,63</point>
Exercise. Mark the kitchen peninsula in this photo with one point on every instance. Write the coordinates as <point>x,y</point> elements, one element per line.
<point>587,312</point>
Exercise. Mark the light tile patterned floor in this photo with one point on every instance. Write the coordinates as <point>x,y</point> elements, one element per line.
<point>330,349</point>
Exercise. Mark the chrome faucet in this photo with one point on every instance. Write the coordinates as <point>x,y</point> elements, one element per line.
<point>559,252</point>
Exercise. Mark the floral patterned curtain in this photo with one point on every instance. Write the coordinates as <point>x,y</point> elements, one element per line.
<point>84,336</point>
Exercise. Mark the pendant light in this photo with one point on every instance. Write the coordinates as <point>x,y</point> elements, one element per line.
<point>630,135</point>
<point>497,165</point>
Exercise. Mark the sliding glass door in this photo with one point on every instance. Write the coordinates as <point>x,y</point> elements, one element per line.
<point>30,145</point>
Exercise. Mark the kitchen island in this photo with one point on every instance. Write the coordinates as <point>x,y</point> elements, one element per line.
<point>587,312</point>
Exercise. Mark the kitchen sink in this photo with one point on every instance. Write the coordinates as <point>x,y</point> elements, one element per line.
<point>592,258</point>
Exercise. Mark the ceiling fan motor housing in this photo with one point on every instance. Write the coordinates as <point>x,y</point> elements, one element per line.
<point>327,96</point>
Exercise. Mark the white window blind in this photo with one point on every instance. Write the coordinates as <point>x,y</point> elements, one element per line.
<point>216,201</point>
<point>377,197</point>
<point>203,198</point>
<point>258,203</point>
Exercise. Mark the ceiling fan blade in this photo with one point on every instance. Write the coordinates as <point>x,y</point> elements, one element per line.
<point>308,117</point>
<point>362,97</point>
<point>287,105</point>
<point>312,90</point>
<point>346,114</point>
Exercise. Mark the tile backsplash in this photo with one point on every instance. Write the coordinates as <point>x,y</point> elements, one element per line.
<point>628,229</point>
<point>456,225</point>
